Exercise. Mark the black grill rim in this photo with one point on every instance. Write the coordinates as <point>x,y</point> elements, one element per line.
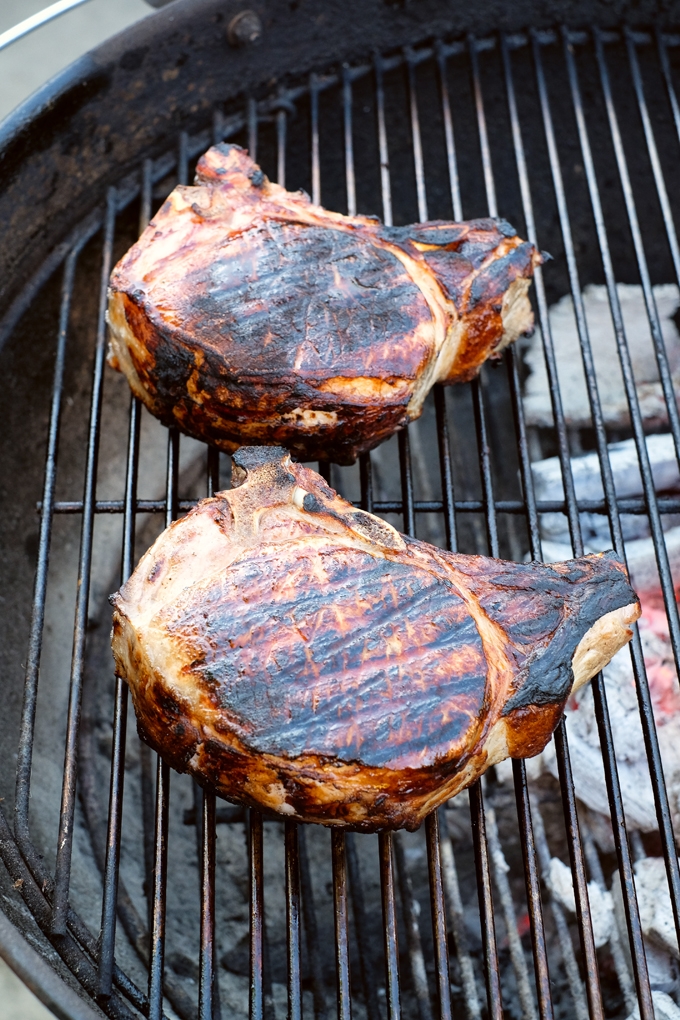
<point>74,941</point>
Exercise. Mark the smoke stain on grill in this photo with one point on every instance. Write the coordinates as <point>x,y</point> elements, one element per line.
<point>42,131</point>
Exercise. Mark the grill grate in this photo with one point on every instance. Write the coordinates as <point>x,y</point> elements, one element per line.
<point>310,133</point>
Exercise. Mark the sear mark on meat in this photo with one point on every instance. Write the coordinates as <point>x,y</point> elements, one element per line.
<point>303,657</point>
<point>246,314</point>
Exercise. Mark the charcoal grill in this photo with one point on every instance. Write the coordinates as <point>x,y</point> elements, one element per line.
<point>412,112</point>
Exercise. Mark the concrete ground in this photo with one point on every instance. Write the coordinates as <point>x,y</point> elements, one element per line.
<point>25,66</point>
<point>17,1002</point>
<point>31,61</point>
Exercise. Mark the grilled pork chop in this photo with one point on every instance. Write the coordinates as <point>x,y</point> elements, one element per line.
<point>245,314</point>
<point>301,656</point>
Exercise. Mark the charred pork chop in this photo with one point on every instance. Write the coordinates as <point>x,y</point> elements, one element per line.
<point>301,656</point>
<point>245,314</point>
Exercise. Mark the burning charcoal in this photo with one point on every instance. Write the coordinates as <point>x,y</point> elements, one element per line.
<point>656,913</point>
<point>628,739</point>
<point>642,561</point>
<point>601,904</point>
<point>547,476</point>
<point>630,751</point>
<point>656,916</point>
<point>625,469</point>
<point>537,405</point>
<point>664,1008</point>
<point>623,705</point>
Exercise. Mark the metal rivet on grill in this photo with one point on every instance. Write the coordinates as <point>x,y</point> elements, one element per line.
<point>244,29</point>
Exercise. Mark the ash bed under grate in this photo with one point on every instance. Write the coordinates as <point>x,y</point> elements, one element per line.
<point>574,137</point>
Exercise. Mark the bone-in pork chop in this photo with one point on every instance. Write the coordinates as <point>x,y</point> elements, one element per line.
<point>301,656</point>
<point>245,314</point>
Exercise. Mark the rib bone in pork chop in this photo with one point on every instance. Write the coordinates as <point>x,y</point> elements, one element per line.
<point>246,314</point>
<point>301,656</point>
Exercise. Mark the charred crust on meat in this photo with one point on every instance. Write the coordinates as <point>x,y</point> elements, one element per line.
<point>302,657</point>
<point>247,314</point>
<point>311,504</point>
<point>251,457</point>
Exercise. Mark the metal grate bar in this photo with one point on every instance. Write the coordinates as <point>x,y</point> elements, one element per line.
<point>107,936</point>
<point>624,505</point>
<point>492,975</point>
<point>619,958</point>
<point>160,843</point>
<point>653,152</point>
<point>33,896</point>
<point>28,712</point>
<point>646,709</point>
<point>411,911</point>
<point>630,903</point>
<point>251,121</point>
<point>481,850</point>
<point>484,453</point>
<point>366,962</point>
<point>281,131</point>
<point>384,857</point>
<point>160,879</point>
<point>438,908</point>
<point>563,934</point>
<point>114,828</point>
<point>293,921</point>
<point>546,332</point>
<point>457,916</point>
<point>451,160</point>
<point>507,907</point>
<point>571,819</point>
<point>209,1007</point>
<point>389,909</point>
<point>66,816</point>
<point>416,140</point>
<point>39,906</point>
<point>655,329</point>
<point>446,470</point>
<point>183,158</point>
<point>578,871</point>
<point>206,967</point>
<point>383,153</point>
<point>668,81</point>
<point>529,853</point>
<point>148,807</point>
<point>633,222</point>
<point>350,181</point>
<point>255,851</point>
<point>418,972</point>
<point>531,876</point>
<point>314,116</point>
<point>341,919</point>
<point>33,860</point>
<point>407,502</point>
<point>489,183</point>
<point>366,483</point>
<point>311,928</point>
<point>529,850</point>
